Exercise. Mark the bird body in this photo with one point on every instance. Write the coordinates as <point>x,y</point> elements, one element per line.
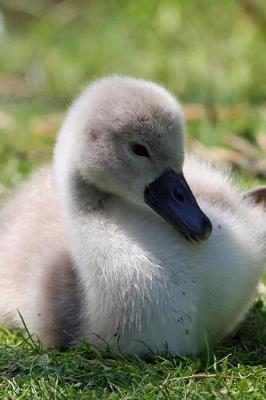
<point>84,257</point>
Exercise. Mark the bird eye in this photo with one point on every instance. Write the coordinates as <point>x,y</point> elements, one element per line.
<point>140,150</point>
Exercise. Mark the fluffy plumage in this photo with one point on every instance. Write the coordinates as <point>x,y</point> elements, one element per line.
<point>83,257</point>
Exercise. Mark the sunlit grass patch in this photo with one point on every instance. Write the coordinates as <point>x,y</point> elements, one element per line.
<point>234,370</point>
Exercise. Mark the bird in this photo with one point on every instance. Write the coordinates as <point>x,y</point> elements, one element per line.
<point>127,240</point>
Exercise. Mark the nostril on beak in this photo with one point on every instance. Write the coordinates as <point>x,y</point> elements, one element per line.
<point>179,197</point>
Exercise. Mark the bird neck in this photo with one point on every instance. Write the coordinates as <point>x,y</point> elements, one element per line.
<point>84,196</point>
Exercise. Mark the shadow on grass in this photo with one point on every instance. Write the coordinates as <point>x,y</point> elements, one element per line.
<point>248,344</point>
<point>21,356</point>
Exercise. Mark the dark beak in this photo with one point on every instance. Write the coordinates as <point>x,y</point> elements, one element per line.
<point>170,196</point>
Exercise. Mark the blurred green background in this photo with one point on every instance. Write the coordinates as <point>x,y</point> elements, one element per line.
<point>210,53</point>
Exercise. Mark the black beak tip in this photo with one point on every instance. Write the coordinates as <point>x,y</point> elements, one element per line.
<point>206,229</point>
<point>200,233</point>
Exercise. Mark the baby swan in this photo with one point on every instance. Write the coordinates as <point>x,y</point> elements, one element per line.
<point>116,249</point>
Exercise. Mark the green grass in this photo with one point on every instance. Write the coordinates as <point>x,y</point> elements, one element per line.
<point>233,371</point>
<point>208,52</point>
